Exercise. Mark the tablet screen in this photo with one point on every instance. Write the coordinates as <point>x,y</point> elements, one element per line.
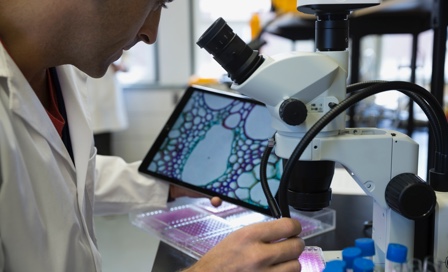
<point>213,143</point>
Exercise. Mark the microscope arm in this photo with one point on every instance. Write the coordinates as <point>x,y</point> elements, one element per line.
<point>373,157</point>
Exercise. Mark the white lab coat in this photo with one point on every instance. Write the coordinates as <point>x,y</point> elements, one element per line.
<point>46,201</point>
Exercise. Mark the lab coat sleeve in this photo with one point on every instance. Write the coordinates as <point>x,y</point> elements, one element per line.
<point>120,188</point>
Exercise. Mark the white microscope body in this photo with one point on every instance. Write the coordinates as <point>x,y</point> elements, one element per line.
<point>372,156</point>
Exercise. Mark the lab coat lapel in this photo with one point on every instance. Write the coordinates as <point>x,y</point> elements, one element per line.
<point>80,132</point>
<point>24,102</point>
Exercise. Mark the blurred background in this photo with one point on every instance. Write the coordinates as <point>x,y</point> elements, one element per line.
<point>157,75</point>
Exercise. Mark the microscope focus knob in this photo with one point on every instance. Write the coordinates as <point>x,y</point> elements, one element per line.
<point>293,112</point>
<point>410,196</point>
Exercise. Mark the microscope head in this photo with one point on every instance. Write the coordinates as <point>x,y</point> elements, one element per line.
<point>270,80</point>
<point>297,88</point>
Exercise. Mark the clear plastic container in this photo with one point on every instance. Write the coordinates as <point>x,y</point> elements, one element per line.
<point>196,227</point>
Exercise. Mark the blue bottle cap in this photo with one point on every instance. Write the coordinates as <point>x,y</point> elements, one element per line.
<point>349,254</point>
<point>397,253</point>
<point>363,265</point>
<point>335,266</point>
<point>366,245</point>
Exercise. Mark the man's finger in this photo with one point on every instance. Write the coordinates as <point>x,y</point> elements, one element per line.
<point>277,229</point>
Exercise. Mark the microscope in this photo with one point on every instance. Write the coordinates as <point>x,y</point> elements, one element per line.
<point>307,95</point>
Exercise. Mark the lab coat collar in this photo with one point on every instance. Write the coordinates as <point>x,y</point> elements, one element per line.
<point>4,71</point>
<point>24,102</point>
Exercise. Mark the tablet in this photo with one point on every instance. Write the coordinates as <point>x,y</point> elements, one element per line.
<point>213,143</point>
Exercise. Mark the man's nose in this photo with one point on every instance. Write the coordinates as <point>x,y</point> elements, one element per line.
<point>148,32</point>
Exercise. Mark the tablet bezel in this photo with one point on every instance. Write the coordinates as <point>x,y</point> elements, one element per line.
<point>143,168</point>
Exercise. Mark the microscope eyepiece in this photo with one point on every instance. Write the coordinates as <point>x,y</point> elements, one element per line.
<point>230,51</point>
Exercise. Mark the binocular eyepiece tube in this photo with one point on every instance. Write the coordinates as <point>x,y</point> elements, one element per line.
<point>230,51</point>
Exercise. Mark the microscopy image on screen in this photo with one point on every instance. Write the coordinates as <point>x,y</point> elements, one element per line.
<point>217,143</point>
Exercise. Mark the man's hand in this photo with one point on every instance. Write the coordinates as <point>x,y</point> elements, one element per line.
<point>177,191</point>
<point>267,246</point>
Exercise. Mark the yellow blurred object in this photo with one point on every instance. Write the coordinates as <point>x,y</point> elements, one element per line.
<point>255,25</point>
<point>284,6</point>
<point>202,81</point>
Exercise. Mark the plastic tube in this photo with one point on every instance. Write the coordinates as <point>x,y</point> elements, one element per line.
<point>363,265</point>
<point>335,266</point>
<point>396,258</point>
<point>349,254</point>
<point>367,247</point>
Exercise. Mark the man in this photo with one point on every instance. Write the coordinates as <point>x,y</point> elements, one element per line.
<point>51,179</point>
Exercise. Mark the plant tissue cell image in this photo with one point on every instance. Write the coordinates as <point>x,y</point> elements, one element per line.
<point>217,142</point>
